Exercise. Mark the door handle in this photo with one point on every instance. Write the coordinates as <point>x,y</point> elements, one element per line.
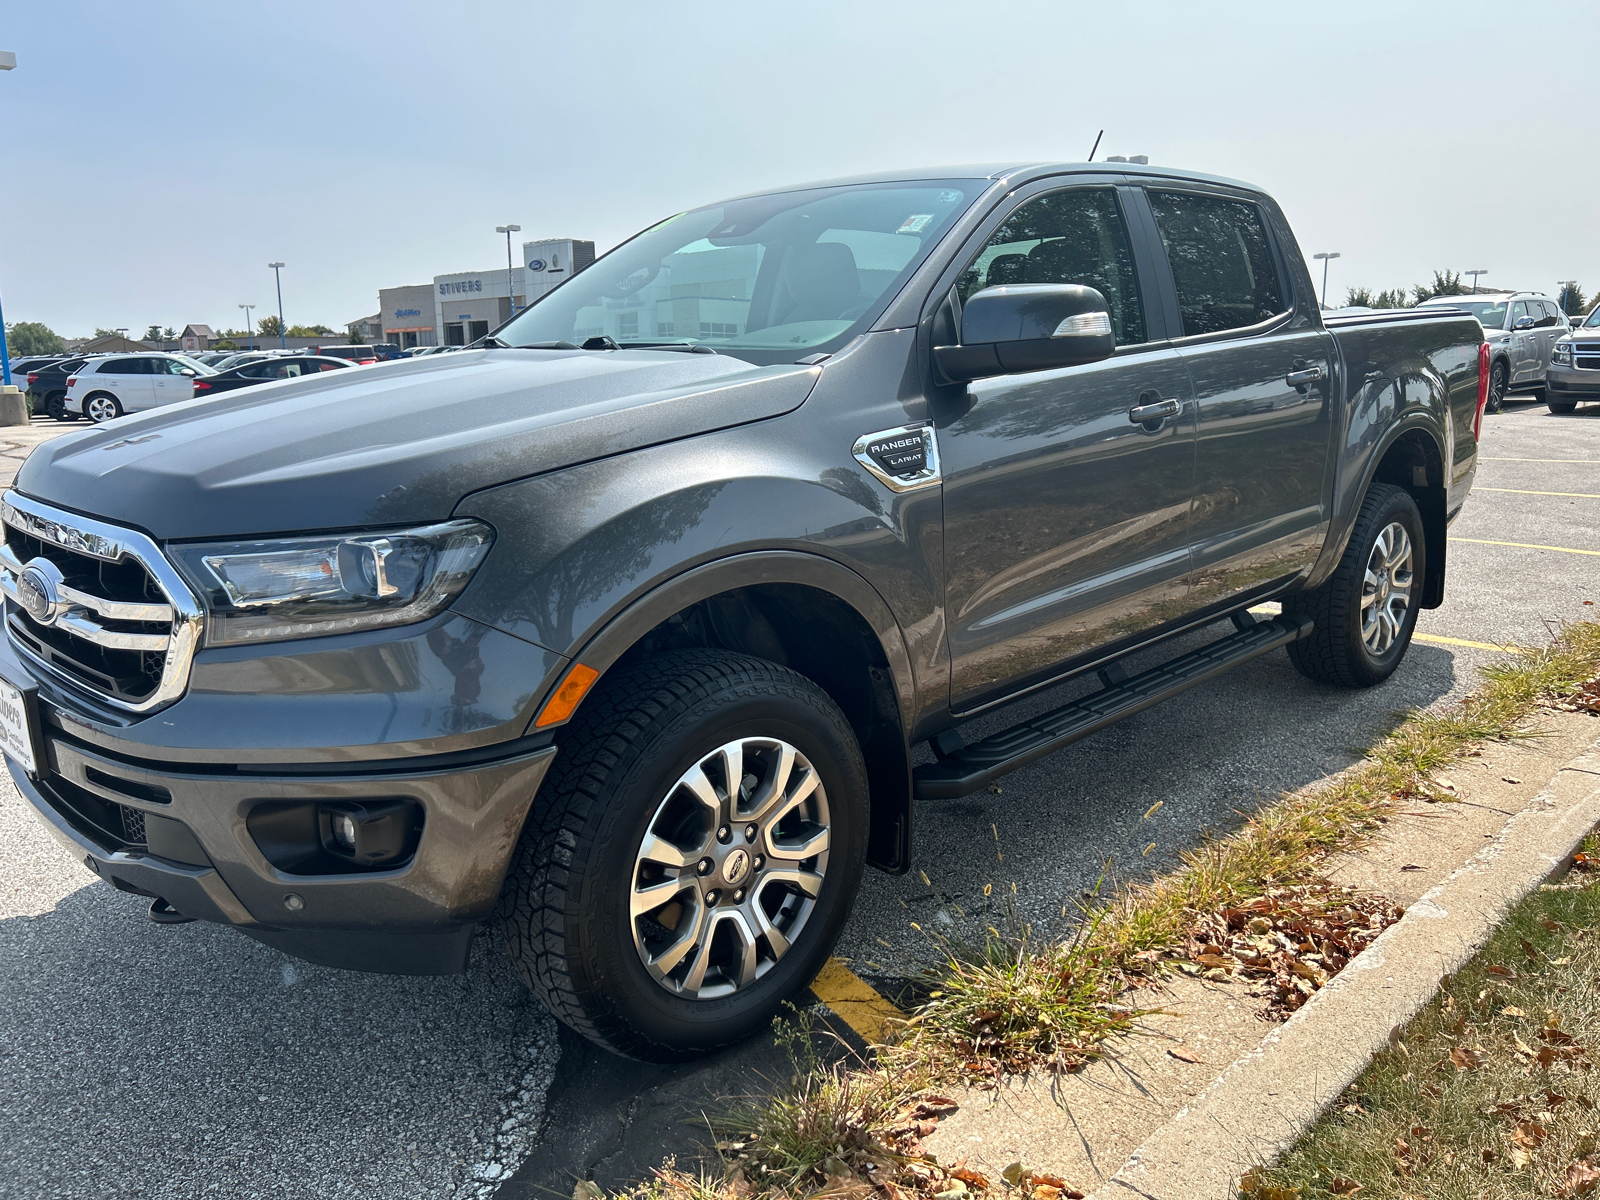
<point>1303,377</point>
<point>1160,410</point>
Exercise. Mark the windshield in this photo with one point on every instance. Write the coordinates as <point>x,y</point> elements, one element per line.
<point>195,363</point>
<point>1491,314</point>
<point>1593,322</point>
<point>767,279</point>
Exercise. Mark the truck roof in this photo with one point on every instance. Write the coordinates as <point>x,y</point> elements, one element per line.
<point>1014,172</point>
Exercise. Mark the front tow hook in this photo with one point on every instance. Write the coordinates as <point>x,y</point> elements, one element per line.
<point>163,913</point>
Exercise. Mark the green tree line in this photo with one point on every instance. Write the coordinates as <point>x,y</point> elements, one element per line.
<point>1448,283</point>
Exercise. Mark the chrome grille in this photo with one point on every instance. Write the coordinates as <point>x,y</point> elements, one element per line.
<point>1587,357</point>
<point>96,605</point>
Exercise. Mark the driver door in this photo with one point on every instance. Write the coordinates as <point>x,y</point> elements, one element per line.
<point>1066,521</point>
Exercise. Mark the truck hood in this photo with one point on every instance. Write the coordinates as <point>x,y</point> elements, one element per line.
<point>395,443</point>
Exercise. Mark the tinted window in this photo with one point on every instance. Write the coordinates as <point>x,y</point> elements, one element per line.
<point>1074,236</point>
<point>124,366</point>
<point>1221,261</point>
<point>1550,318</point>
<point>258,370</point>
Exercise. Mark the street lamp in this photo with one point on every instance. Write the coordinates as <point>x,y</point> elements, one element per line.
<point>511,290</point>
<point>248,327</point>
<point>1326,259</point>
<point>278,279</point>
<point>8,62</point>
<point>1475,275</point>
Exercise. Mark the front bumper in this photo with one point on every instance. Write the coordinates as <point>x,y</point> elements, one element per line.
<point>201,855</point>
<point>1572,383</point>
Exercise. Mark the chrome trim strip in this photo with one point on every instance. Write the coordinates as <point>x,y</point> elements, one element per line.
<point>113,610</point>
<point>89,631</point>
<point>110,542</point>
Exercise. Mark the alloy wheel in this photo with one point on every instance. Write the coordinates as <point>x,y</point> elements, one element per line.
<point>1497,388</point>
<point>1386,590</point>
<point>102,408</point>
<point>730,868</point>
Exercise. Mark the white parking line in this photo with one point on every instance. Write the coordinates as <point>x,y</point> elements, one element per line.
<point>1526,492</point>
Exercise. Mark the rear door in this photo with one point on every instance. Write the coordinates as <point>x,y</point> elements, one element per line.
<point>128,379</point>
<point>1260,365</point>
<point>1066,521</point>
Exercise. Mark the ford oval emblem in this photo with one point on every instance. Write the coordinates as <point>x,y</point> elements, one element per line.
<point>536,264</point>
<point>38,591</point>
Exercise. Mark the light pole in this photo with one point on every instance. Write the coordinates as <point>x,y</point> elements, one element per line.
<point>8,62</point>
<point>278,279</point>
<point>1475,275</point>
<point>248,327</point>
<point>511,291</point>
<point>1326,259</point>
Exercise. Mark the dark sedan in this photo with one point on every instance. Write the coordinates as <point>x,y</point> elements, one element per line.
<point>265,370</point>
<point>47,384</point>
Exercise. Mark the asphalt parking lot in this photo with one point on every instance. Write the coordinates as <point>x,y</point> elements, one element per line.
<point>180,1061</point>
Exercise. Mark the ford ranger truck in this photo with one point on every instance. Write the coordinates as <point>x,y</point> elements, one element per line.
<point>628,626</point>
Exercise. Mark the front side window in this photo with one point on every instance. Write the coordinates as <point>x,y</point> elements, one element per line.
<point>1221,261</point>
<point>1072,236</point>
<point>1518,311</point>
<point>766,279</point>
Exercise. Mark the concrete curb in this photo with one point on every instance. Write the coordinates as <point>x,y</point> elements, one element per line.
<point>1264,1101</point>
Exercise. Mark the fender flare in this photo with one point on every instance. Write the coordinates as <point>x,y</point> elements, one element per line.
<point>889,844</point>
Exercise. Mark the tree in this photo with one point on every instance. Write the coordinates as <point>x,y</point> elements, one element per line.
<point>100,333</point>
<point>269,326</point>
<point>1390,299</point>
<point>1445,283</point>
<point>32,337</point>
<point>1358,298</point>
<point>225,344</point>
<point>355,337</point>
<point>1571,300</point>
<point>309,331</point>
<point>169,334</point>
<point>153,334</point>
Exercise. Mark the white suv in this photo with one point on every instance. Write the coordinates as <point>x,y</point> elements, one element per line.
<point>107,387</point>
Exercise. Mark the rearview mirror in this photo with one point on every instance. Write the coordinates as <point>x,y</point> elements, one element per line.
<point>1028,327</point>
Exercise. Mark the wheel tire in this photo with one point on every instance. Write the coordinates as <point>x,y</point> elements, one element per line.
<point>1540,396</point>
<point>1338,650</point>
<point>56,406</point>
<point>102,407</point>
<point>566,920</point>
<point>1561,406</point>
<point>1499,380</point>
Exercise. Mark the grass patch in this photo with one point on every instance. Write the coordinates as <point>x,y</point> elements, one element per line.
<point>1491,1093</point>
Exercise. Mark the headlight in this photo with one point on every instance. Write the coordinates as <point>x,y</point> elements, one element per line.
<point>266,591</point>
<point>1562,353</point>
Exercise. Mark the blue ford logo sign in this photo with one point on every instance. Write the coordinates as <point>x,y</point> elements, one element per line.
<point>536,264</point>
<point>38,591</point>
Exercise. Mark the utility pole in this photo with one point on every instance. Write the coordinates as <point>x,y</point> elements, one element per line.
<point>1475,275</point>
<point>278,279</point>
<point>1326,259</point>
<point>511,291</point>
<point>8,62</point>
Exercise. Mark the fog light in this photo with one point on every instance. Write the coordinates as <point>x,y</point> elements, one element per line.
<point>374,833</point>
<point>344,831</point>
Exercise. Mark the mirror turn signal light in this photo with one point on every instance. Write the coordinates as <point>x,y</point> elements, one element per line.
<point>567,697</point>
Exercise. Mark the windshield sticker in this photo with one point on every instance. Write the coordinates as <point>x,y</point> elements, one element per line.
<point>915,223</point>
<point>948,196</point>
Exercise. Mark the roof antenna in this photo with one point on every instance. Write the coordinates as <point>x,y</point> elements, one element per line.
<point>1097,138</point>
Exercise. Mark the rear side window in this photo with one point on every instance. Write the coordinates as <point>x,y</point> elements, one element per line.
<point>123,366</point>
<point>1221,261</point>
<point>1072,236</point>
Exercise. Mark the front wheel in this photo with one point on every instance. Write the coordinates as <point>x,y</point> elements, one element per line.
<point>102,406</point>
<point>692,856</point>
<point>1367,609</point>
<point>1561,406</point>
<point>1499,380</point>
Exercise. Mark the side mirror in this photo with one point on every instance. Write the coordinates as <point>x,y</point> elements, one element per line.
<point>1523,323</point>
<point>1028,327</point>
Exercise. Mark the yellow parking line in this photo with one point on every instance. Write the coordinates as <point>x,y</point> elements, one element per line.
<point>1526,492</point>
<point>1591,462</point>
<point>1444,641</point>
<point>1525,546</point>
<point>854,999</point>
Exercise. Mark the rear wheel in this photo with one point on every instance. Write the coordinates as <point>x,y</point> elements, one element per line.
<point>692,855</point>
<point>1499,380</point>
<point>1366,611</point>
<point>1561,406</point>
<point>56,405</point>
<point>102,406</point>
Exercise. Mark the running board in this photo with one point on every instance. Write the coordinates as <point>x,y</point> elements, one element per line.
<point>962,770</point>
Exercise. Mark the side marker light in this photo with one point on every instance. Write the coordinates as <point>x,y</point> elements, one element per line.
<point>565,701</point>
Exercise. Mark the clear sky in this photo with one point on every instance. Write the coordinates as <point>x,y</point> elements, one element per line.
<point>157,156</point>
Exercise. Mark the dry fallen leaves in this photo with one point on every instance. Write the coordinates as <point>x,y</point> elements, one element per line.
<point>1582,1179</point>
<point>1464,1059</point>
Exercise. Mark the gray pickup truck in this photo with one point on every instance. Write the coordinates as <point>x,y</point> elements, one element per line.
<point>629,625</point>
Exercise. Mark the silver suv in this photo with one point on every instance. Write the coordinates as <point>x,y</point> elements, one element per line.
<point>1522,328</point>
<point>1574,372</point>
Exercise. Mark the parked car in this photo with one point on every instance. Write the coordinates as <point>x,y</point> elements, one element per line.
<point>1522,328</point>
<point>21,366</point>
<point>1574,372</point>
<point>291,366</point>
<point>386,351</point>
<point>212,357</point>
<point>360,355</point>
<point>239,358</point>
<point>47,386</point>
<point>106,388</point>
<point>630,627</point>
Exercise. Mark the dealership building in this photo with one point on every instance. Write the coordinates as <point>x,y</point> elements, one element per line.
<point>460,308</point>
